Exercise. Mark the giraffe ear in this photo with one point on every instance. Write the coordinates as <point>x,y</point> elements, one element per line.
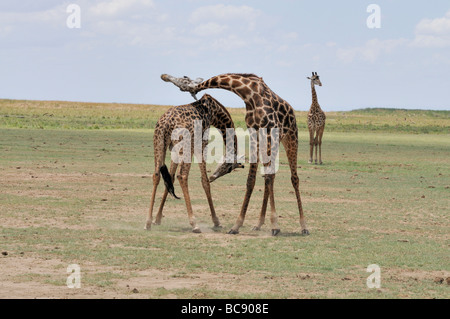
<point>308,78</point>
<point>312,73</point>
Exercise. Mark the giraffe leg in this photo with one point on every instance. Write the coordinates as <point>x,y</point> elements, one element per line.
<point>156,179</point>
<point>183,179</point>
<point>311,145</point>
<point>262,215</point>
<point>250,185</point>
<point>273,212</point>
<point>207,188</point>
<point>173,169</point>
<point>316,143</point>
<point>291,151</point>
<point>320,144</point>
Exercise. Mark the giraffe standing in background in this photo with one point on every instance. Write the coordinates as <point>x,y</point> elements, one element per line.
<point>264,109</point>
<point>316,121</point>
<point>210,112</point>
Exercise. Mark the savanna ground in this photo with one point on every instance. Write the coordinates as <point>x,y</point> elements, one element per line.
<point>75,183</point>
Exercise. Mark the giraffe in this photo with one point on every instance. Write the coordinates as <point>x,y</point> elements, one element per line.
<point>210,112</point>
<point>264,109</point>
<point>316,121</point>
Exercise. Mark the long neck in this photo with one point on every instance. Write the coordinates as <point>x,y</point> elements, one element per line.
<point>315,102</point>
<point>241,84</point>
<point>223,121</point>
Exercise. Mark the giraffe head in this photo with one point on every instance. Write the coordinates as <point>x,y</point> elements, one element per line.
<point>185,83</point>
<point>227,166</point>
<point>315,79</point>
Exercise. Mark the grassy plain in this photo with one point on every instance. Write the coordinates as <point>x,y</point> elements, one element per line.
<point>75,182</point>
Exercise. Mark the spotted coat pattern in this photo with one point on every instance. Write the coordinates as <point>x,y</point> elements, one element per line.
<point>264,109</point>
<point>211,113</point>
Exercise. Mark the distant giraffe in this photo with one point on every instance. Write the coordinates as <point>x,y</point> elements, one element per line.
<point>210,112</point>
<point>264,109</point>
<point>316,121</point>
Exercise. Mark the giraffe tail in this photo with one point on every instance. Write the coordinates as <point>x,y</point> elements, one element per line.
<point>168,180</point>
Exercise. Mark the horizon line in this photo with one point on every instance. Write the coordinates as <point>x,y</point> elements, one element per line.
<point>240,107</point>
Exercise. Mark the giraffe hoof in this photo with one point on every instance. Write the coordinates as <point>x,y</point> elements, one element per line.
<point>310,162</point>
<point>256,228</point>
<point>196,230</point>
<point>218,226</point>
<point>148,226</point>
<point>275,232</point>
<point>305,232</point>
<point>233,232</point>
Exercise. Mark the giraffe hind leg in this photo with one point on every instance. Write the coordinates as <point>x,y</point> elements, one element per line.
<point>173,169</point>
<point>156,179</point>
<point>168,181</point>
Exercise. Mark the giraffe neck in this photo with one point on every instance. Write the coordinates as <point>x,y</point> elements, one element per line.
<point>314,94</point>
<point>244,85</point>
<point>222,121</point>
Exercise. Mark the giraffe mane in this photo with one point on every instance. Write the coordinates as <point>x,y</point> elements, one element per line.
<point>246,75</point>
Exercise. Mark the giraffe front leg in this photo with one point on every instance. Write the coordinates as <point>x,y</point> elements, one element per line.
<point>262,215</point>
<point>183,179</point>
<point>311,146</point>
<point>316,143</point>
<point>250,186</point>
<point>320,145</point>
<point>207,189</point>
<point>291,152</point>
<point>273,212</point>
<point>269,182</point>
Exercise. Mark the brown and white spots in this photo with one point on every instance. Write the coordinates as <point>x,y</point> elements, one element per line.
<point>316,121</point>
<point>209,112</point>
<point>267,110</point>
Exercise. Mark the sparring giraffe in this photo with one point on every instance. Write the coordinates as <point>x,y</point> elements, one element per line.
<point>264,110</point>
<point>316,121</point>
<point>211,113</point>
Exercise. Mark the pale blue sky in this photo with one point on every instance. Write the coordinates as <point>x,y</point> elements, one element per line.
<point>123,46</point>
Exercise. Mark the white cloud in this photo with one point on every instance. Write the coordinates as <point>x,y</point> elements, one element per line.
<point>4,31</point>
<point>222,12</point>
<point>114,8</point>
<point>370,51</point>
<point>229,43</point>
<point>433,33</point>
<point>32,28</point>
<point>45,16</point>
<point>209,29</point>
<point>429,33</point>
<point>225,27</point>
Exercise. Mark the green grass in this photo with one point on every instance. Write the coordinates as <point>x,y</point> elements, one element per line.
<point>77,115</point>
<point>81,196</point>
